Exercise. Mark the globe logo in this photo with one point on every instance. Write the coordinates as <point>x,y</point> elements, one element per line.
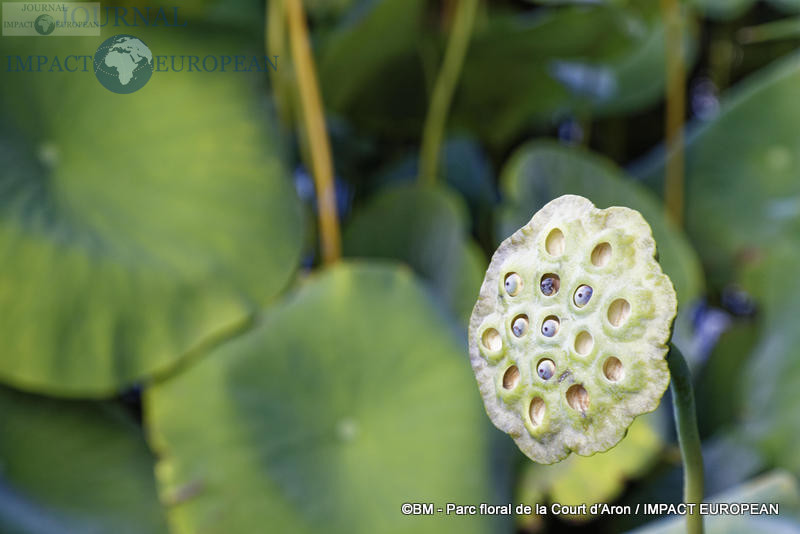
<point>44,25</point>
<point>123,64</point>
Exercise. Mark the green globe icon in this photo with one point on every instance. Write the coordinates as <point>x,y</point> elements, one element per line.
<point>123,64</point>
<point>44,25</point>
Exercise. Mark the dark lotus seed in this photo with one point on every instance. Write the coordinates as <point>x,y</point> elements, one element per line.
<point>512,284</point>
<point>549,327</point>
<point>519,326</point>
<point>548,286</point>
<point>582,295</point>
<point>546,369</point>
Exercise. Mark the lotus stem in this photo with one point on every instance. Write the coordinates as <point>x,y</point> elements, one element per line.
<point>433,130</point>
<point>688,436</point>
<point>314,120</point>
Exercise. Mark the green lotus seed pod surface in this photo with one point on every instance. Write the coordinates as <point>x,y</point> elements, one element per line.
<point>569,335</point>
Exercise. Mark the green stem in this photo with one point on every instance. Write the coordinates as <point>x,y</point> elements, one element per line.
<point>275,42</point>
<point>433,131</point>
<point>688,436</point>
<point>314,120</point>
<point>284,84</point>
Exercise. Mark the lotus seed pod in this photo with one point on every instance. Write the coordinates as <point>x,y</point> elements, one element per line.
<point>568,357</point>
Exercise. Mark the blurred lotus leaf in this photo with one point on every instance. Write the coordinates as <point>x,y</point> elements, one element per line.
<point>381,84</point>
<point>771,409</point>
<point>742,191</point>
<point>774,487</point>
<point>730,9</point>
<point>465,168</point>
<point>72,466</point>
<point>134,228</point>
<point>522,71</point>
<point>348,398</point>
<point>594,479</point>
<point>426,228</point>
<point>722,9</point>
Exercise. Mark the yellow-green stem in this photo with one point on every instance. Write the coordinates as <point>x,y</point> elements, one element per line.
<point>688,436</point>
<point>275,41</point>
<point>676,109</point>
<point>433,131</point>
<point>314,121</point>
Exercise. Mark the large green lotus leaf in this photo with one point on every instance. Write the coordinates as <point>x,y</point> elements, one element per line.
<point>134,228</point>
<point>68,467</point>
<point>426,227</point>
<point>348,398</point>
<point>376,45</point>
<point>742,190</point>
<point>465,168</point>
<point>593,479</point>
<point>771,408</point>
<point>775,487</point>
<point>729,9</point>
<point>786,5</point>
<point>543,170</point>
<point>722,9</point>
<point>725,371</point>
<point>525,70</point>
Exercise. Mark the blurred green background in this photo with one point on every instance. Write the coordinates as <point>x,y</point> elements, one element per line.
<point>175,357</point>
